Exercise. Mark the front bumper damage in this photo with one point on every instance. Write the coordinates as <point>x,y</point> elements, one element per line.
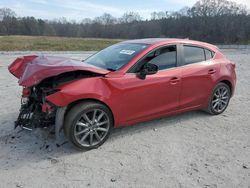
<point>35,115</point>
<point>41,77</point>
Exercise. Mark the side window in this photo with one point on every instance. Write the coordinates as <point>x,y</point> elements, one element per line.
<point>165,57</point>
<point>193,55</point>
<point>209,54</point>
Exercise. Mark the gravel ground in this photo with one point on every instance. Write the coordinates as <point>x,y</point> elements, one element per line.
<point>189,150</point>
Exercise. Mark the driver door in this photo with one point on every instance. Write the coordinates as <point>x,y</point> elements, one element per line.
<point>158,94</point>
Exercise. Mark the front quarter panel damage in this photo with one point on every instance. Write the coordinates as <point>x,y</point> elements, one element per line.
<point>90,88</point>
<point>100,88</point>
<point>95,88</point>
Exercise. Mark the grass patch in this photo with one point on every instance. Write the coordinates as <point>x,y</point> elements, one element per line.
<point>33,43</point>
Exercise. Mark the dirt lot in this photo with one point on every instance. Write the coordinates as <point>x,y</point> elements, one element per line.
<point>189,150</point>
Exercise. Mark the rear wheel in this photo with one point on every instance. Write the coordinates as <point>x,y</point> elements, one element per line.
<point>88,125</point>
<point>219,99</point>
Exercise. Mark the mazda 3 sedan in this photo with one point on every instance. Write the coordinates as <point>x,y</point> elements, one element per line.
<point>127,83</point>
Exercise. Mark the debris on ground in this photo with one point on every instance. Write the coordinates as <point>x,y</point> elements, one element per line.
<point>53,160</point>
<point>245,167</point>
<point>113,180</point>
<point>19,185</point>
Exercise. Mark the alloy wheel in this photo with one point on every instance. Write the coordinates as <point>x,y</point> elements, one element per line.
<point>220,99</point>
<point>92,128</point>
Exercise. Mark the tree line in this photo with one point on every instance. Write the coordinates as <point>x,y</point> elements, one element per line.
<point>215,21</point>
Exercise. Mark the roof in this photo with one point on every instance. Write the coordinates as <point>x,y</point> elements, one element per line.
<point>149,40</point>
<point>152,41</point>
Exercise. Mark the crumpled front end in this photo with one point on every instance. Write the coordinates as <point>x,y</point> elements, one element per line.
<point>40,77</point>
<point>32,70</point>
<point>35,111</point>
<point>18,67</point>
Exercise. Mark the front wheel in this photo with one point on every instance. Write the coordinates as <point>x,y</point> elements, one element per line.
<point>88,125</point>
<point>219,99</point>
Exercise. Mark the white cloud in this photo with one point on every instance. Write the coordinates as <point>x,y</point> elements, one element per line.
<point>244,2</point>
<point>79,9</point>
<point>183,3</point>
<point>84,6</point>
<point>39,1</point>
<point>74,9</point>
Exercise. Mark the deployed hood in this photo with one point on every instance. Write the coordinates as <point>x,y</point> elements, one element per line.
<point>31,70</point>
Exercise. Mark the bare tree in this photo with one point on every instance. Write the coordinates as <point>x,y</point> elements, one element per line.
<point>130,17</point>
<point>105,19</point>
<point>158,15</point>
<point>6,12</point>
<point>215,21</point>
<point>87,21</point>
<point>217,8</point>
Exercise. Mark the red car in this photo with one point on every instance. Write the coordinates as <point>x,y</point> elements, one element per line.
<point>124,84</point>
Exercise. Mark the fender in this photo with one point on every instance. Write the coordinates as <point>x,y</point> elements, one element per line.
<point>96,88</point>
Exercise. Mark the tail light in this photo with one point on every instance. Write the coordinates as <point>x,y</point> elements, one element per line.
<point>26,92</point>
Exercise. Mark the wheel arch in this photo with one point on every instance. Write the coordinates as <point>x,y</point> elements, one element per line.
<point>227,82</point>
<point>72,104</point>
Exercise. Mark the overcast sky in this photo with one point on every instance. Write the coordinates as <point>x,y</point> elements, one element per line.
<point>79,9</point>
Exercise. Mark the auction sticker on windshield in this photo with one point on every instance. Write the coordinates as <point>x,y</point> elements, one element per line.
<point>127,52</point>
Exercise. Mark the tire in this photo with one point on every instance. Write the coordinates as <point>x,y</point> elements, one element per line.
<point>88,125</point>
<point>219,99</point>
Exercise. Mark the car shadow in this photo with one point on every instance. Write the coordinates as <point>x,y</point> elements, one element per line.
<point>159,123</point>
<point>20,147</point>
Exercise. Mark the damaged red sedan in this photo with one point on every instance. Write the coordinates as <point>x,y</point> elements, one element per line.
<point>124,84</point>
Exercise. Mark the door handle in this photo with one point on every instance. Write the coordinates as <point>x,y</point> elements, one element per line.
<point>211,71</point>
<point>174,80</point>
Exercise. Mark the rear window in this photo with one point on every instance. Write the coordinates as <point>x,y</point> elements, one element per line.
<point>193,54</point>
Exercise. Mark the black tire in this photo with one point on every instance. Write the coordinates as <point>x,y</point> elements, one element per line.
<point>75,118</point>
<point>212,100</point>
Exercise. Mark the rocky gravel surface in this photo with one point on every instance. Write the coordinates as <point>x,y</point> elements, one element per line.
<point>189,150</point>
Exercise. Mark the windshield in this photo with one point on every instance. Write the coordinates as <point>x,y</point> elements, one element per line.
<point>116,56</point>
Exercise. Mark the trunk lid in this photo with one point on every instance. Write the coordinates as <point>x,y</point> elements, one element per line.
<point>31,70</point>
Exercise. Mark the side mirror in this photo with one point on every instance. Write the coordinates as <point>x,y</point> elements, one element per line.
<point>147,69</point>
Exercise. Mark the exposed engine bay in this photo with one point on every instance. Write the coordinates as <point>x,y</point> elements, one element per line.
<point>35,111</point>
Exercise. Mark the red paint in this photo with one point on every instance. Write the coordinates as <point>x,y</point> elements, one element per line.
<point>47,108</point>
<point>17,68</point>
<point>131,99</point>
<point>26,92</point>
<point>31,70</point>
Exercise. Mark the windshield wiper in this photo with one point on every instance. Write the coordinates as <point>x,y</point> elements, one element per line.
<point>111,69</point>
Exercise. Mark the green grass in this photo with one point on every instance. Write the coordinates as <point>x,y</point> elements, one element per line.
<point>27,43</point>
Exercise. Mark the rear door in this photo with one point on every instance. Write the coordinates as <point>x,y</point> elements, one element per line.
<point>198,76</point>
